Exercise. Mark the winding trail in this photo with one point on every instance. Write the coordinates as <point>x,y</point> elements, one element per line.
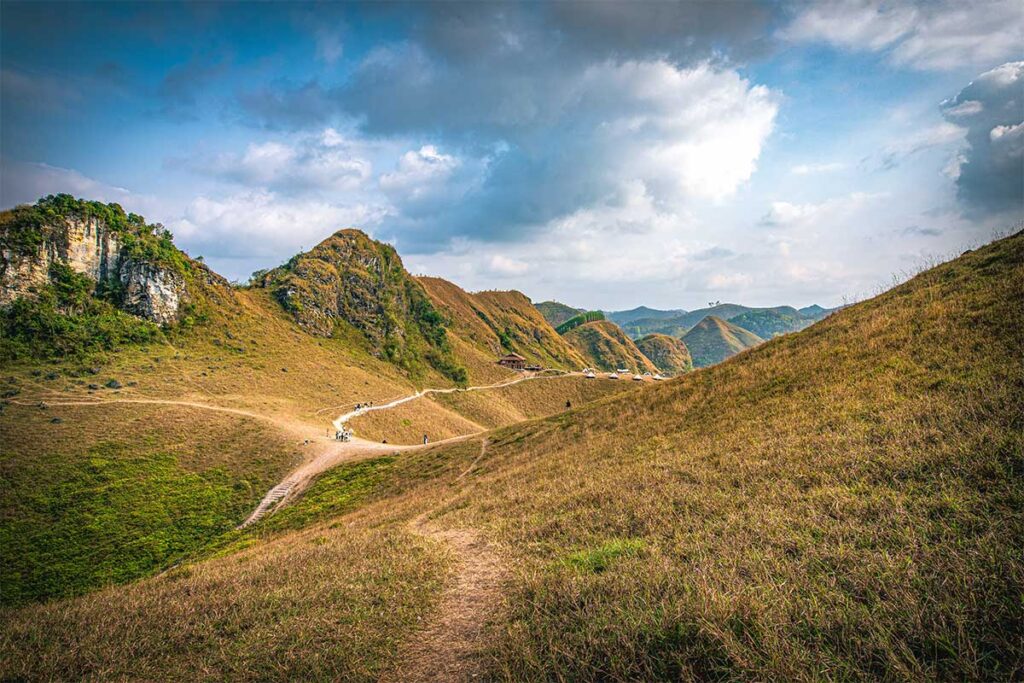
<point>327,453</point>
<point>342,419</point>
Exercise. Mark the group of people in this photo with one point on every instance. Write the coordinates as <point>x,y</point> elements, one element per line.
<point>363,406</point>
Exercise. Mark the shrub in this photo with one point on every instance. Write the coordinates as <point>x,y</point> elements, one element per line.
<point>579,319</point>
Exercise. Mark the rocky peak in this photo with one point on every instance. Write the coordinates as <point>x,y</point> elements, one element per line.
<point>350,279</point>
<point>119,251</point>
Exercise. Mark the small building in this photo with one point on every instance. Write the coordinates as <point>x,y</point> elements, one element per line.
<point>513,361</point>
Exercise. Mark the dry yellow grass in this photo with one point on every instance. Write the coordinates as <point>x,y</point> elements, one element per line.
<point>447,415</point>
<point>841,503</point>
<point>326,604</point>
<point>492,323</point>
<point>606,347</point>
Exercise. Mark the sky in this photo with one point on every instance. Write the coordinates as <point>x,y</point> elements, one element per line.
<point>603,154</point>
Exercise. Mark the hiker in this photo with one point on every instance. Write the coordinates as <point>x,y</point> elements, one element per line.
<point>425,439</point>
<point>568,405</point>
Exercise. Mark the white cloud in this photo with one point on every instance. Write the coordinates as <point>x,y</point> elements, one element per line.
<point>940,35</point>
<point>989,169</point>
<point>857,24</point>
<point>944,134</point>
<point>419,171</point>
<point>788,217</point>
<point>729,281</point>
<point>501,265</point>
<point>264,224</point>
<point>24,183</point>
<point>324,161</point>
<point>697,131</point>
<point>966,108</point>
<point>814,169</point>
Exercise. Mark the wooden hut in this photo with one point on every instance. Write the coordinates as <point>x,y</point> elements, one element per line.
<point>513,361</point>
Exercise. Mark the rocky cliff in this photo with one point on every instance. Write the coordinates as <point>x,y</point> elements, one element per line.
<point>133,264</point>
<point>350,280</point>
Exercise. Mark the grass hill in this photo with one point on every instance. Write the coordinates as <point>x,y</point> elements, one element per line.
<point>667,353</point>
<point>149,440</point>
<point>623,318</point>
<point>771,322</point>
<point>489,324</point>
<point>353,281</point>
<point>713,340</point>
<point>604,346</point>
<point>556,313</point>
<point>764,322</point>
<point>844,502</point>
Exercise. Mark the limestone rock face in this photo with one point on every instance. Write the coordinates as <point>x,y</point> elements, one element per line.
<point>150,292</point>
<point>84,244</point>
<point>89,247</point>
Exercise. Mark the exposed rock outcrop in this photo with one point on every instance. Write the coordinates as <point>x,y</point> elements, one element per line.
<point>95,240</point>
<point>151,292</point>
<point>83,243</point>
<point>350,279</point>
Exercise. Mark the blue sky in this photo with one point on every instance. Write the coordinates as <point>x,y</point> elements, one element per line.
<point>603,154</point>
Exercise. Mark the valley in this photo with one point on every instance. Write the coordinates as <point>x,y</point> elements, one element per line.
<point>839,500</point>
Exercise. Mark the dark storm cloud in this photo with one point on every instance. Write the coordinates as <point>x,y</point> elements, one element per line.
<point>991,107</point>
<point>503,66</point>
<point>526,92</point>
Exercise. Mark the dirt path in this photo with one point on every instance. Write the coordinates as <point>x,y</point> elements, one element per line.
<point>342,419</point>
<point>449,647</point>
<point>325,452</point>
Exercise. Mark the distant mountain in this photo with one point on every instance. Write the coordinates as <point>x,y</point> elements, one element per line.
<point>622,318</point>
<point>815,312</point>
<point>712,340</point>
<point>668,353</point>
<point>765,322</point>
<point>681,323</point>
<point>556,313</point>
<point>771,322</point>
<point>606,347</point>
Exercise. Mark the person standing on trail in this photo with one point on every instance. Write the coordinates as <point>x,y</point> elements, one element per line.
<point>425,439</point>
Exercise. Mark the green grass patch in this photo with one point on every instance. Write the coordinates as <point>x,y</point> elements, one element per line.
<point>597,560</point>
<point>336,492</point>
<point>109,517</point>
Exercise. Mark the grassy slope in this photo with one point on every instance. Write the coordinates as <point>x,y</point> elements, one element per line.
<point>493,323</point>
<point>556,313</point>
<point>667,353</point>
<point>713,340</point>
<point>606,347</point>
<point>771,322</point>
<point>442,416</point>
<point>115,492</point>
<point>845,502</point>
